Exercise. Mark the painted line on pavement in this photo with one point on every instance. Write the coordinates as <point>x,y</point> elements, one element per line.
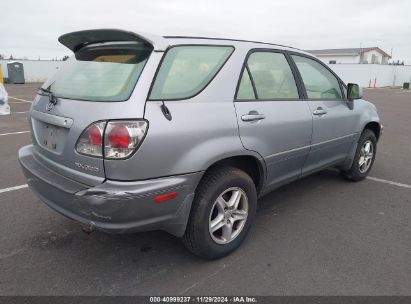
<point>19,99</point>
<point>380,180</point>
<point>12,133</point>
<point>13,188</point>
<point>384,181</point>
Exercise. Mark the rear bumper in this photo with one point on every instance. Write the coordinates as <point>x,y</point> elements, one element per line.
<point>113,206</point>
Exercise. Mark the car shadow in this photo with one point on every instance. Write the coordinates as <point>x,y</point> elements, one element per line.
<point>143,244</point>
<point>131,262</point>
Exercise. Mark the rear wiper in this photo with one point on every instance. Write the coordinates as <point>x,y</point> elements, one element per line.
<point>52,98</point>
<point>45,90</point>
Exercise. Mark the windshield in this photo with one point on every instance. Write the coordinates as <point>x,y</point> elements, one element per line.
<point>101,72</point>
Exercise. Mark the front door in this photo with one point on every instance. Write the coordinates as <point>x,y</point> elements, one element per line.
<point>272,118</point>
<point>333,118</point>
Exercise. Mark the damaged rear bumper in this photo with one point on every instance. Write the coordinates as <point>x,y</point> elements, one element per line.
<point>114,206</point>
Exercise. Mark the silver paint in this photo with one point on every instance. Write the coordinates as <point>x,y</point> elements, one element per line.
<point>290,139</point>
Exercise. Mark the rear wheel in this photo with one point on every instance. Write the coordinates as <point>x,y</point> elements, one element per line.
<point>364,157</point>
<point>222,213</point>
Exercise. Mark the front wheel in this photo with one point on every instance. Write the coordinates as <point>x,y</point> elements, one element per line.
<point>364,157</point>
<point>222,213</point>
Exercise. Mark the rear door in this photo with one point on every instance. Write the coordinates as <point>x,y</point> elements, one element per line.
<point>334,120</point>
<point>96,84</point>
<point>272,118</point>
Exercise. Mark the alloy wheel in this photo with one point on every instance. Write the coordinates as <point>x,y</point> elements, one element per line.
<point>366,156</point>
<point>228,215</point>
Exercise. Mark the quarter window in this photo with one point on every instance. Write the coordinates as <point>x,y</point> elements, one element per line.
<point>245,90</point>
<point>186,70</point>
<point>319,82</point>
<point>271,75</point>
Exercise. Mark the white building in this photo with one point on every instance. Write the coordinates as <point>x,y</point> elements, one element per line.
<point>358,55</point>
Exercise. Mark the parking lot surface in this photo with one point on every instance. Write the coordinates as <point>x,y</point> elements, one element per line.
<point>320,235</point>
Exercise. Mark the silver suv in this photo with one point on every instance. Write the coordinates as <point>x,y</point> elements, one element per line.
<point>183,134</point>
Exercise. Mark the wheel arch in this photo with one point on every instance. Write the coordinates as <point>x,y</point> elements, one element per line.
<point>375,127</point>
<point>250,164</point>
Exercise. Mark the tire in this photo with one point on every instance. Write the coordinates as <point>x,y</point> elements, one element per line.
<point>219,186</point>
<point>358,172</point>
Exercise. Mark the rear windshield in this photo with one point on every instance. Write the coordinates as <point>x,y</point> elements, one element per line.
<point>186,70</point>
<point>101,72</point>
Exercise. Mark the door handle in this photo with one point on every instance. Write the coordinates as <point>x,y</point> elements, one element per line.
<point>252,116</point>
<point>320,111</point>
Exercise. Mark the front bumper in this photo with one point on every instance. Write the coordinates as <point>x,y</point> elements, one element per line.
<point>113,206</point>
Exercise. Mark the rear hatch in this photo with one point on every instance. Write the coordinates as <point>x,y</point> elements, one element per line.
<point>104,80</point>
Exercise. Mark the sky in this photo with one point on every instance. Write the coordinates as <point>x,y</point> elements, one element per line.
<point>31,28</point>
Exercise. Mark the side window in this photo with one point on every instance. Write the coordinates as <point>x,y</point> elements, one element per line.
<point>186,70</point>
<point>319,82</point>
<point>245,90</point>
<point>271,75</point>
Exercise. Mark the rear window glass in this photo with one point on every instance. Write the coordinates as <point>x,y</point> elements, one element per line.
<point>186,70</point>
<point>103,72</point>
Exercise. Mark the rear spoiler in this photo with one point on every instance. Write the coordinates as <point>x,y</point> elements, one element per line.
<point>76,40</point>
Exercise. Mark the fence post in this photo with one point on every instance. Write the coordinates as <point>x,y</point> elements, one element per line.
<point>375,82</point>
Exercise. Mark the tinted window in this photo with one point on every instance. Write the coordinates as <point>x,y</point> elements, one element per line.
<point>104,72</point>
<point>186,70</point>
<point>272,76</point>
<point>319,82</point>
<point>245,90</point>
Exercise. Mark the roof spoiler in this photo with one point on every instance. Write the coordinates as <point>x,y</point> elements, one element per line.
<point>76,40</point>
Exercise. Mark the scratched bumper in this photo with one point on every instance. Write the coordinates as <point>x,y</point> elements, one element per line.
<point>113,206</point>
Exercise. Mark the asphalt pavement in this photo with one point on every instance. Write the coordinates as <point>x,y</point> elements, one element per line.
<point>320,235</point>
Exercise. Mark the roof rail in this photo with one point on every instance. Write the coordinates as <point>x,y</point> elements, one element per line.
<point>230,39</point>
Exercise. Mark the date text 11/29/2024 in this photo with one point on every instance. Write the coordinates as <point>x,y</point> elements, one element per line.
<point>205,299</point>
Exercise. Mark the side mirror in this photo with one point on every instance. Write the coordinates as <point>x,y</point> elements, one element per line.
<point>354,91</point>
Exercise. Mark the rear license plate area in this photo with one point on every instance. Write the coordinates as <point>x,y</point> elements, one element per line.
<point>51,136</point>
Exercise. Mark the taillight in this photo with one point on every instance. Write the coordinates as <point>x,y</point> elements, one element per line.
<point>121,138</point>
<point>95,134</point>
<point>90,141</point>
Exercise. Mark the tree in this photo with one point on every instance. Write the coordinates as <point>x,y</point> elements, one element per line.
<point>11,57</point>
<point>65,58</point>
<point>1,56</point>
